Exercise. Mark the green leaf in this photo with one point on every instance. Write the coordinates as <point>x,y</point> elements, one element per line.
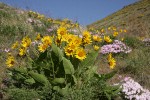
<point>90,72</point>
<point>108,96</point>
<point>38,77</point>
<point>74,79</point>
<point>42,56</point>
<point>105,77</point>
<point>116,92</point>
<point>56,88</point>
<point>21,70</point>
<point>57,51</point>
<point>68,67</point>
<point>19,76</point>
<point>59,80</point>
<point>90,59</point>
<point>30,81</point>
<point>108,75</point>
<point>62,91</point>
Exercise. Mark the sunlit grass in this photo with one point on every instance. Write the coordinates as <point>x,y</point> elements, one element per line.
<point>15,27</point>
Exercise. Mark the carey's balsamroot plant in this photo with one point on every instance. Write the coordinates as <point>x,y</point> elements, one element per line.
<point>57,64</point>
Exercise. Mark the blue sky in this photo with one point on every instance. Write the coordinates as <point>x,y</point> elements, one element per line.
<point>83,11</point>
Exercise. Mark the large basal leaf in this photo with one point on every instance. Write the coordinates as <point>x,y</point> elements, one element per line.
<point>90,59</point>
<point>29,81</point>
<point>38,77</point>
<point>58,80</point>
<point>74,79</point>
<point>19,77</point>
<point>62,91</point>
<point>111,91</point>
<point>90,72</point>
<point>42,56</point>
<point>57,51</point>
<point>105,77</point>
<point>108,95</point>
<point>68,67</point>
<point>56,88</point>
<point>21,70</point>
<point>108,75</point>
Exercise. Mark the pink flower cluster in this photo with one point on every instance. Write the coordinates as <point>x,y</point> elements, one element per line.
<point>116,47</point>
<point>133,90</point>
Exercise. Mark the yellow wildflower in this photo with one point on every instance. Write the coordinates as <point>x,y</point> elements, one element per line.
<point>115,34</point>
<point>58,40</point>
<point>46,40</point>
<point>15,45</point>
<point>26,42</point>
<point>109,28</point>
<point>42,47</point>
<point>121,30</point>
<point>68,51</point>
<point>38,36</point>
<point>96,47</point>
<point>114,29</point>
<point>102,30</point>
<point>77,25</point>
<point>77,41</point>
<point>112,63</point>
<point>109,56</point>
<point>80,54</point>
<point>97,38</point>
<point>62,31</point>
<point>107,39</point>
<point>70,38</point>
<point>73,46</point>
<point>125,30</point>
<point>22,51</point>
<point>49,20</point>
<point>122,39</point>
<point>67,37</point>
<point>86,38</point>
<point>86,41</point>
<point>10,61</point>
<point>86,34</point>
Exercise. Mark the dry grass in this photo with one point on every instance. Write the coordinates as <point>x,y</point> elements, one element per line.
<point>135,18</point>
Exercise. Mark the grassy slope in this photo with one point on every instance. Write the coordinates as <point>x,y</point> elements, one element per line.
<point>135,18</point>
<point>13,26</point>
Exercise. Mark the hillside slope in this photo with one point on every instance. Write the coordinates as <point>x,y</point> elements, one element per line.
<point>135,18</point>
<point>17,23</point>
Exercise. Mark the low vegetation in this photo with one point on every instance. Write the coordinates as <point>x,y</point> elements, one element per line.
<point>48,59</point>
